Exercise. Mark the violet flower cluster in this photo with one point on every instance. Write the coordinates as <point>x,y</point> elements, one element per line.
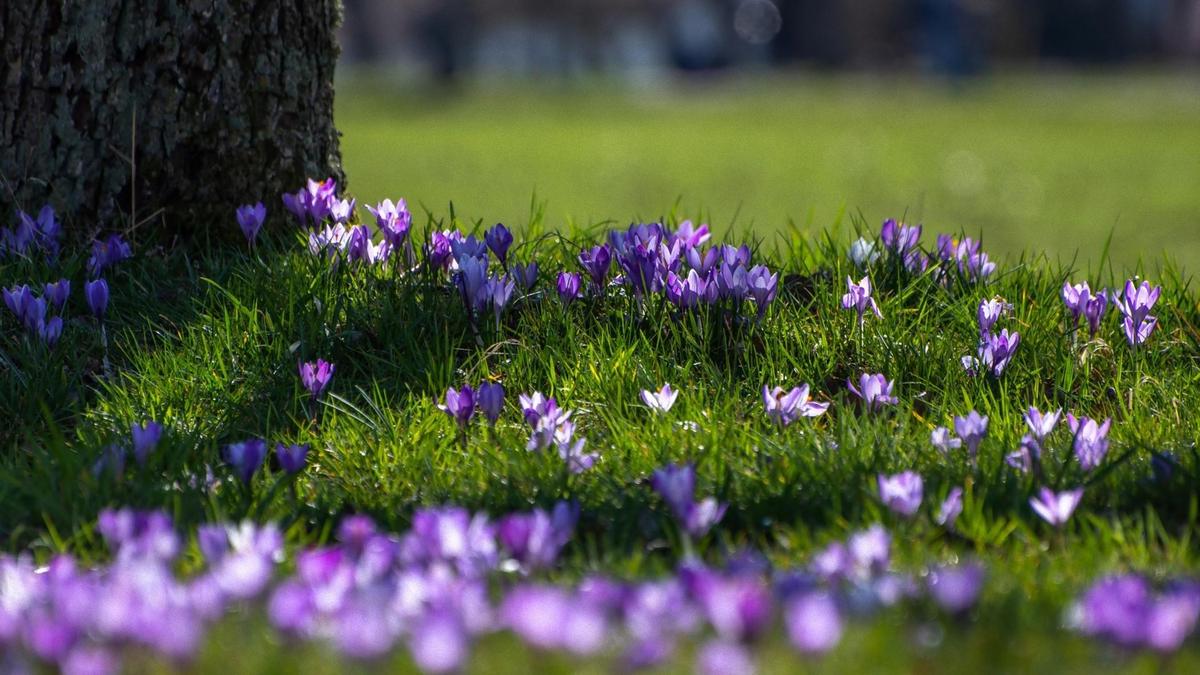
<point>1134,301</point>
<point>552,427</point>
<point>995,350</point>
<point>952,258</point>
<point>1128,612</point>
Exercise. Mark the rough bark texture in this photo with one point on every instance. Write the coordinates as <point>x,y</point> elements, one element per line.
<point>233,101</point>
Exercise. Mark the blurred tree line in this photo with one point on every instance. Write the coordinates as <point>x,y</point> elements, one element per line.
<point>957,37</point>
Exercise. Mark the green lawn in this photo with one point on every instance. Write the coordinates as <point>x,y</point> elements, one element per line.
<point>1045,162</point>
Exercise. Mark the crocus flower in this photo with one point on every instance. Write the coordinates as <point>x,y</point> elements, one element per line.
<point>393,220</point>
<point>315,376</point>
<point>1093,311</point>
<point>762,286</point>
<point>989,312</point>
<point>246,457</point>
<point>17,299</point>
<point>490,398</point>
<point>472,282</point>
<point>956,588</point>
<point>292,458</point>
<point>942,439</point>
<point>875,391</point>
<point>596,261</point>
<point>676,484</point>
<point>660,401</point>
<point>250,218</point>
<point>1026,455</point>
<point>690,235</point>
<point>96,293</point>
<point>996,350</point>
<point>813,622</point>
<point>901,492</point>
<point>1091,440</point>
<point>57,293</point>
<point>499,291</point>
<point>50,330</point>
<point>1040,425</point>
<point>859,298</point>
<point>1056,508</point>
<point>1081,301</point>
<point>459,405</point>
<point>1135,303</point>
<point>526,275</point>
<point>971,429</point>
<point>785,408</point>
<point>863,253</point>
<point>950,508</point>
<point>108,252</point>
<point>724,657</point>
<point>568,287</point>
<point>899,238</point>
<point>498,239</point>
<point>145,439</point>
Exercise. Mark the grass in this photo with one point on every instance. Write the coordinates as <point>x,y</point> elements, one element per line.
<point>1041,162</point>
<point>209,346</point>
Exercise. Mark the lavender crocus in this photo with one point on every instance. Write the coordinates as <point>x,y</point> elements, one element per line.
<point>950,508</point>
<point>498,240</point>
<point>1041,424</point>
<point>526,275</point>
<point>596,261</point>
<point>899,238</point>
<point>956,588</point>
<point>50,330</point>
<point>459,405</point>
<point>1056,508</point>
<point>96,293</point>
<point>676,484</point>
<point>1135,304</point>
<point>393,220</point>
<point>785,408</point>
<point>57,293</point>
<point>490,399</point>
<point>972,429</point>
<point>901,492</point>
<point>292,458</point>
<point>250,218</point>
<point>995,352</point>
<point>1081,301</point>
<point>1091,440</point>
<point>762,286</point>
<point>874,390</point>
<point>660,401</point>
<point>568,287</point>
<point>108,252</point>
<point>145,439</point>
<point>944,441</point>
<point>813,622</point>
<point>315,376</point>
<point>990,312</point>
<point>245,457</point>
<point>1026,456</point>
<point>859,298</point>
<point>499,291</point>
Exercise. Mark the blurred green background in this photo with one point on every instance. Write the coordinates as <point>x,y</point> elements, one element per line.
<point>1034,162</point>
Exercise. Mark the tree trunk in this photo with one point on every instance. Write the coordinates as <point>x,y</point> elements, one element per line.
<point>209,103</point>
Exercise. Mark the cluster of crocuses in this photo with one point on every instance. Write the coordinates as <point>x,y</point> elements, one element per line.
<point>452,578</point>
<point>42,315</point>
<point>1134,302</point>
<point>1127,611</point>
<point>951,258</point>
<point>317,207</point>
<point>995,349</point>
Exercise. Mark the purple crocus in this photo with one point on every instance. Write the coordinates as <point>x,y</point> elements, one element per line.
<point>1027,454</point>
<point>956,588</point>
<point>315,376</point>
<point>1091,440</point>
<point>660,401</point>
<point>762,286</point>
<point>971,429</point>
<point>944,441</point>
<point>292,458</point>
<point>57,293</point>
<point>108,252</point>
<point>459,404</point>
<point>813,622</point>
<point>18,299</point>
<point>1081,301</point>
<point>724,657</point>
<point>899,238</point>
<point>990,312</point>
<point>499,291</point>
<point>874,390</point>
<point>525,275</point>
<point>1056,508</point>
<point>1041,424</point>
<point>498,239</point>
<point>393,220</point>
<point>490,399</point>
<point>568,287</point>
<point>859,298</point>
<point>596,261</point>
<point>145,439</point>
<point>1135,303</point>
<point>785,408</point>
<point>901,492</point>
<point>50,330</point>
<point>676,484</point>
<point>950,508</point>
<point>96,293</point>
<point>535,539</point>
<point>995,352</point>
<point>690,235</point>
<point>250,218</point>
<point>245,457</point>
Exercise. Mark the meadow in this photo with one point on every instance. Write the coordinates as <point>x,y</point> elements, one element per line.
<point>345,382</point>
<point>1038,162</point>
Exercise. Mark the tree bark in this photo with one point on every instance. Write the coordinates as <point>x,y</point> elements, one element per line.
<point>233,102</point>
